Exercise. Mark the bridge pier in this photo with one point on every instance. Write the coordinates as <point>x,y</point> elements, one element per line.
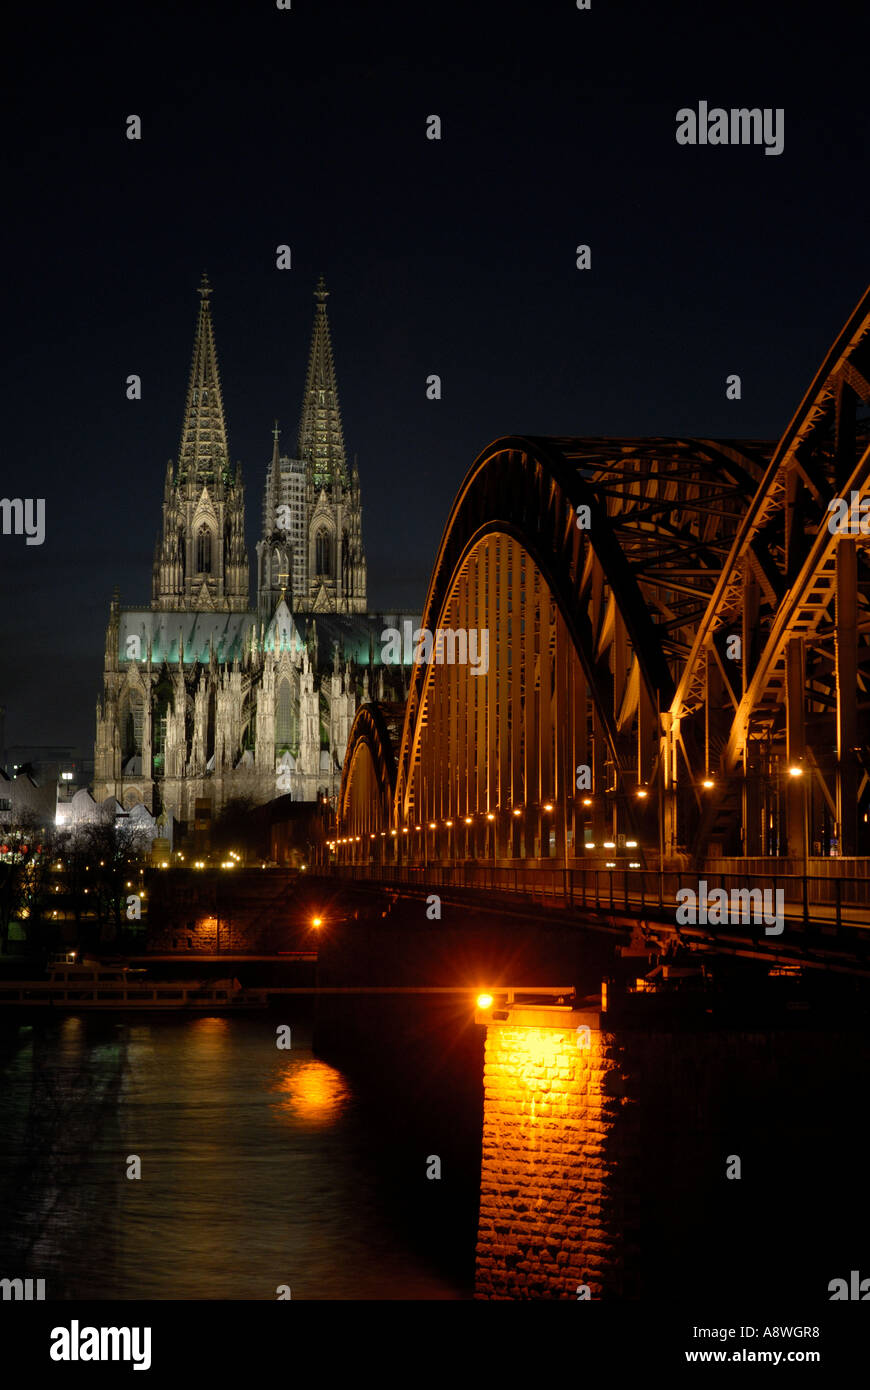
<point>556,1130</point>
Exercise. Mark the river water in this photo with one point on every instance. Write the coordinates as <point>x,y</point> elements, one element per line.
<point>259,1167</point>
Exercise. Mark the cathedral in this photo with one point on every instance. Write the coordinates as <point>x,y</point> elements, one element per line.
<point>206,697</point>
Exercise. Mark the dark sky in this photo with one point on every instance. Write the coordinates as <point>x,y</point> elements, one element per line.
<point>307,127</point>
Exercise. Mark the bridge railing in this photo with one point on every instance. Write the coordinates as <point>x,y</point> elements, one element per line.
<point>806,897</point>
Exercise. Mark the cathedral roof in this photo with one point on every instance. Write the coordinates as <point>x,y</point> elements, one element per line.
<point>358,634</point>
<point>168,631</point>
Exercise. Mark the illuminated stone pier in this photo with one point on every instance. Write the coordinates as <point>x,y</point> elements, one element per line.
<point>557,1130</point>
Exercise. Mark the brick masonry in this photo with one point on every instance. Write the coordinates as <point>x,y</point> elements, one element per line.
<point>557,1131</point>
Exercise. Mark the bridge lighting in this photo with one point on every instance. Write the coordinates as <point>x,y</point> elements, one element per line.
<point>548,806</point>
<point>371,837</point>
<point>795,772</point>
<point>317,922</point>
<point>416,827</point>
<point>587,801</point>
<point>609,844</point>
<point>404,830</point>
<point>641,792</point>
<point>490,816</point>
<point>589,844</point>
<point>449,824</point>
<point>634,865</point>
<point>517,811</point>
<point>432,825</point>
<point>484,1001</point>
<point>708,783</point>
<point>611,864</point>
<point>392,832</point>
<point>468,820</point>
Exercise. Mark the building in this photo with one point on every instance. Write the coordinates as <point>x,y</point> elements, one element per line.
<point>205,698</point>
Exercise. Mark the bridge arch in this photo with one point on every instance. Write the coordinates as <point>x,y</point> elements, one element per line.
<point>675,616</point>
<point>559,557</point>
<point>368,782</point>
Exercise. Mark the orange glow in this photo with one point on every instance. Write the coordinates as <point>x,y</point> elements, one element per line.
<point>317,921</point>
<point>707,782</point>
<point>314,1094</point>
<point>795,772</point>
<point>517,811</point>
<point>490,816</point>
<point>548,806</point>
<point>484,1001</point>
<point>642,792</point>
<point>587,801</point>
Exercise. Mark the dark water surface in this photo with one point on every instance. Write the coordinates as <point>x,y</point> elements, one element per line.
<point>260,1167</point>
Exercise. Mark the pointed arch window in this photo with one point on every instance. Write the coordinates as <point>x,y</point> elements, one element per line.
<point>283,717</point>
<point>203,551</point>
<point>321,553</point>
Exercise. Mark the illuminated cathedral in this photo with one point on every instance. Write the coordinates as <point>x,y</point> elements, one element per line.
<point>206,698</point>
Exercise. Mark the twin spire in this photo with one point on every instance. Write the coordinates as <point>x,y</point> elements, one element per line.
<point>204,451</point>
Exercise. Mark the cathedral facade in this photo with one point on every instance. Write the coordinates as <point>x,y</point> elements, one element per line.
<point>206,698</point>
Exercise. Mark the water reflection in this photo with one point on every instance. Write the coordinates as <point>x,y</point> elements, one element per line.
<point>257,1169</point>
<point>314,1095</point>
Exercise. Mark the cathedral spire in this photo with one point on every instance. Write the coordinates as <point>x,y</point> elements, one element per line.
<point>321,439</point>
<point>204,452</point>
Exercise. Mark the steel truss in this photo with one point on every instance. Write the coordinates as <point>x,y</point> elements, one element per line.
<point>674,615</point>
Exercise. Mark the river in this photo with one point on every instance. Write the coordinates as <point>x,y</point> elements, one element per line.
<point>260,1168</point>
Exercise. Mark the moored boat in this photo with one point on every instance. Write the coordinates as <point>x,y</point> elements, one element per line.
<point>91,984</point>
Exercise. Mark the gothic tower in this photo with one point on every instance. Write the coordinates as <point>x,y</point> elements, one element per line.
<point>201,562</point>
<point>336,578</point>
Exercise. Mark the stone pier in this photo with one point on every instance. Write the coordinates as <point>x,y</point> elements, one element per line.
<point>554,1217</point>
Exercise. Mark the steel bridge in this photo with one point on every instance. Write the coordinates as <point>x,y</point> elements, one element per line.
<point>678,661</point>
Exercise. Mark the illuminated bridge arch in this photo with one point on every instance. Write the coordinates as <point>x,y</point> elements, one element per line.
<point>674,618</point>
<point>571,576</point>
<point>786,736</point>
<point>368,780</point>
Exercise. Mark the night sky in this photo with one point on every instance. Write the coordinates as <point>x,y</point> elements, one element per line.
<point>308,127</point>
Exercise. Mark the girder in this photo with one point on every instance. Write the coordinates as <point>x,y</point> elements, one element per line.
<point>673,614</point>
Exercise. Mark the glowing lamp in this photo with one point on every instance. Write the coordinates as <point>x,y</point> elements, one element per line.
<point>490,816</point>
<point>707,782</point>
<point>317,921</point>
<point>548,806</point>
<point>587,801</point>
<point>484,1001</point>
<point>641,792</point>
<point>795,772</point>
<point>517,811</point>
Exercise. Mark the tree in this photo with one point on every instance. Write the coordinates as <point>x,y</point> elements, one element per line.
<point>25,857</point>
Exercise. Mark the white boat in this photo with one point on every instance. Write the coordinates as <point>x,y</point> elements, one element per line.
<point>92,984</point>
